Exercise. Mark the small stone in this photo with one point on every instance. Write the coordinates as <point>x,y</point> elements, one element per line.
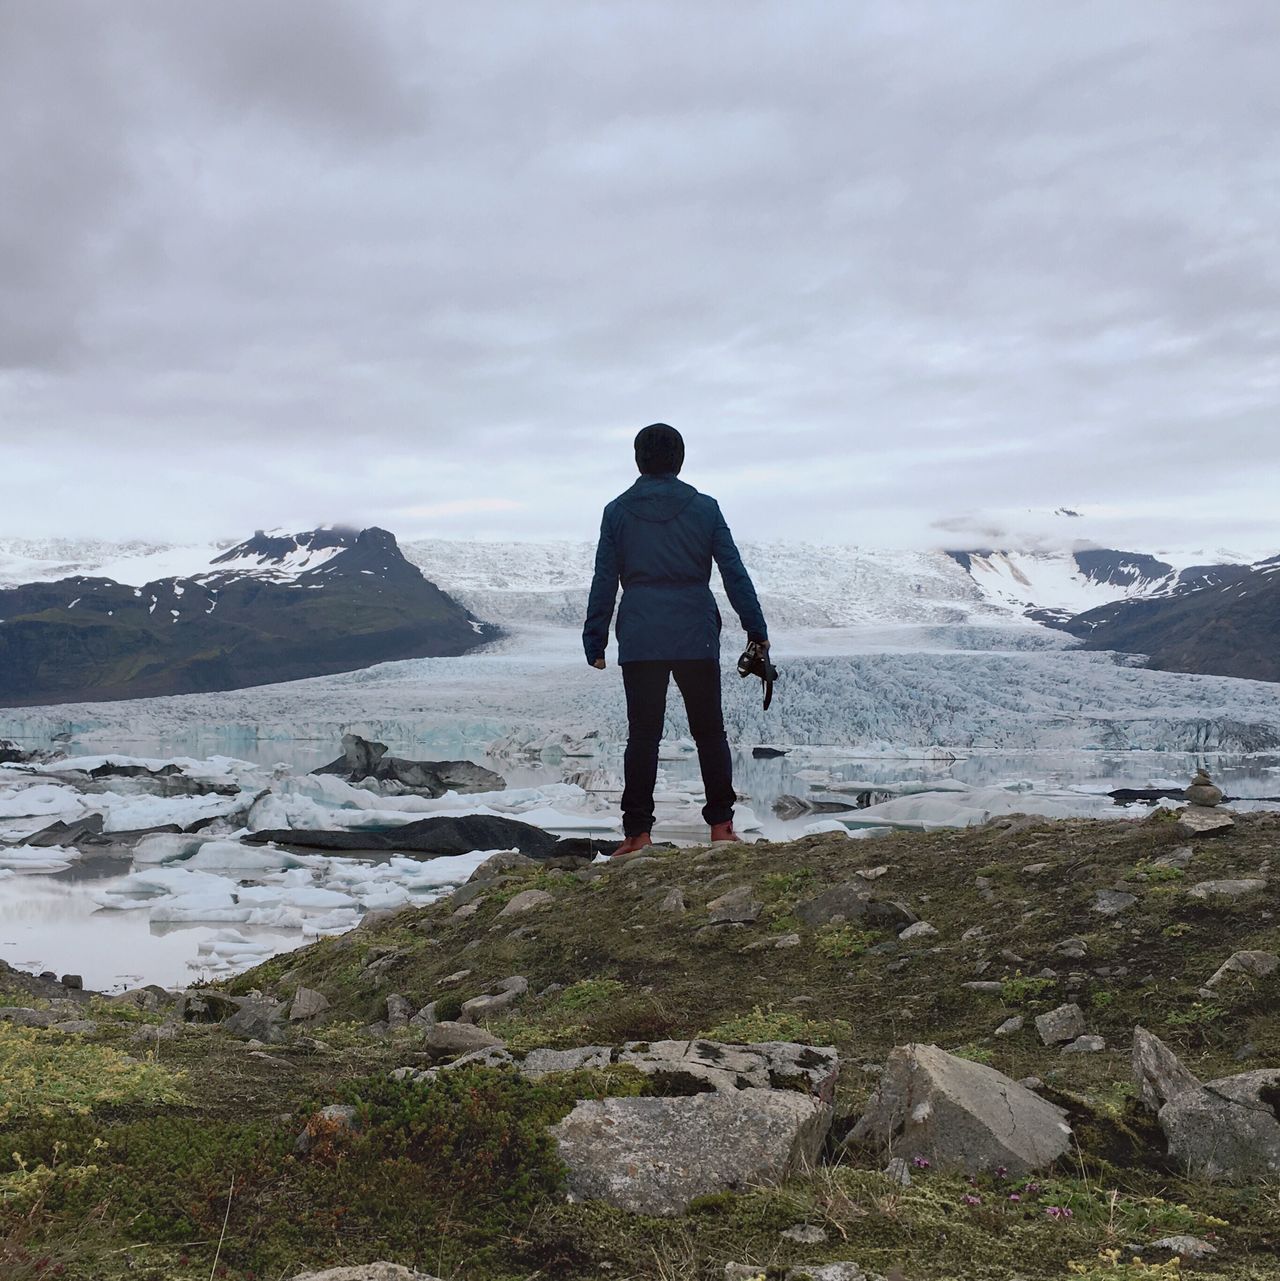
<point>399,1011</point>
<point>673,904</point>
<point>1066,1023</point>
<point>973,933</point>
<point>871,873</point>
<point>468,909</point>
<point>1035,869</point>
<point>920,930</point>
<point>337,1118</point>
<point>1113,902</point>
<point>1011,1025</point>
<point>738,906</point>
<point>1085,1045</point>
<point>1186,1247</point>
<point>1180,858</point>
<point>804,1234</point>
<point>76,1027</point>
<point>72,981</point>
<point>452,980</point>
<point>787,940</point>
<point>899,1172</point>
<point>502,861</point>
<point>528,901</point>
<point>480,1008</point>
<point>1227,889</point>
<point>1071,949</point>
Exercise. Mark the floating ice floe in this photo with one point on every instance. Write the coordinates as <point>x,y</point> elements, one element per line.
<point>31,858</point>
<point>46,800</point>
<point>926,811</point>
<point>134,813</point>
<point>223,882</point>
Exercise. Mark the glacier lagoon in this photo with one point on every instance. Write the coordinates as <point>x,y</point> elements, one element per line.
<point>1032,724</point>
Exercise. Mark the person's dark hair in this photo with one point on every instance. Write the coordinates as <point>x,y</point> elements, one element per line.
<point>659,449</point>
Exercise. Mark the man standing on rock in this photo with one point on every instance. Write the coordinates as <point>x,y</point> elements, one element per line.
<point>658,539</point>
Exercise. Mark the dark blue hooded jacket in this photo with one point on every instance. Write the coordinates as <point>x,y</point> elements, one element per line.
<point>658,539</point>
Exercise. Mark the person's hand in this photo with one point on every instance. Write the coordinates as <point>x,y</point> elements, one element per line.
<point>599,663</point>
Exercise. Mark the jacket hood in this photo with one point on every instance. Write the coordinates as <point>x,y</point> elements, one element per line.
<point>658,498</point>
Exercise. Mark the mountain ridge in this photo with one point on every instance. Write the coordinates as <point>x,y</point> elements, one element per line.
<point>269,609</point>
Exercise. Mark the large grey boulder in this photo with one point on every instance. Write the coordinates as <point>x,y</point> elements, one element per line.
<point>308,1004</point>
<point>738,906</point>
<point>958,1114</point>
<point>1157,1071</point>
<point>527,901</point>
<point>448,1037</point>
<point>480,1008</point>
<point>1228,889</point>
<point>681,1067</point>
<point>1063,1024</point>
<point>257,1020</point>
<point>1200,820</point>
<point>367,1272</point>
<point>655,1156</point>
<point>1227,1130</point>
<point>1253,965</point>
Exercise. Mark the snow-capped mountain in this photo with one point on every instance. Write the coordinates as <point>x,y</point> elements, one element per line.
<point>1224,623</point>
<point>1053,586</point>
<point>277,607</point>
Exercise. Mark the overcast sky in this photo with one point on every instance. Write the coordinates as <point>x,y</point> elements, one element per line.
<point>904,273</point>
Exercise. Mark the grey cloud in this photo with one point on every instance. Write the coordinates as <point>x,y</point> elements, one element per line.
<point>880,262</point>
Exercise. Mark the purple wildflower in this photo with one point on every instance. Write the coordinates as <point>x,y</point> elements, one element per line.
<point>971,1200</point>
<point>920,1162</point>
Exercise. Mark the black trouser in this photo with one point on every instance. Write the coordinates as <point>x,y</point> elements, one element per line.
<point>698,680</point>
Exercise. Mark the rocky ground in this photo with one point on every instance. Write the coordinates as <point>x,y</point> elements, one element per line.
<point>968,1054</point>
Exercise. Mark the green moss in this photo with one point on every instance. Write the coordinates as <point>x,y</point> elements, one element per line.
<point>1020,989</point>
<point>45,1072</point>
<point>839,943</point>
<point>778,1025</point>
<point>591,994</point>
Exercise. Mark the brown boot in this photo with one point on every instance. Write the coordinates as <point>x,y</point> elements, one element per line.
<point>632,845</point>
<point>723,832</point>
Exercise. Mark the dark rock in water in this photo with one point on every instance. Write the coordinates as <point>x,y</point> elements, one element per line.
<point>767,753</point>
<point>788,806</point>
<point>437,836</point>
<point>61,833</point>
<point>109,770</point>
<point>362,759</point>
<point>12,754</point>
<point>582,848</point>
<point>1128,795</point>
